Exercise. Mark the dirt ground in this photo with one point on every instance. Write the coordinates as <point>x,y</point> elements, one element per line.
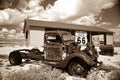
<point>110,69</point>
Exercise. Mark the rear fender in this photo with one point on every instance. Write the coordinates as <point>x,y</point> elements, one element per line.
<point>22,52</point>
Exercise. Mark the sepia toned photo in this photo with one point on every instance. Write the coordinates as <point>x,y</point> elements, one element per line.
<point>59,39</point>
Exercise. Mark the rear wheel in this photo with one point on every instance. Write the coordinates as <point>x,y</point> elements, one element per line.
<point>15,58</point>
<point>75,68</point>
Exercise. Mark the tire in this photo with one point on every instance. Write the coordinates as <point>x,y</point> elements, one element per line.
<point>75,68</point>
<point>15,58</point>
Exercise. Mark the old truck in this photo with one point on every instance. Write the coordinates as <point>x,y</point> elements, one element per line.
<point>61,51</point>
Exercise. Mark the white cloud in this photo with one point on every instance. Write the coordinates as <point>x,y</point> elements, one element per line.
<point>4,30</point>
<point>118,26</point>
<point>72,10</point>
<point>34,3</point>
<point>4,16</point>
<point>76,11</point>
<point>11,17</point>
<point>104,23</point>
<point>12,31</point>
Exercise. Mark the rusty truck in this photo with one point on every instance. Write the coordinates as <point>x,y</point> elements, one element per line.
<point>60,50</point>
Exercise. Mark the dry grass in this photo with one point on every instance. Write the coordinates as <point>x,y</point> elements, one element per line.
<point>117,50</point>
<point>1,62</point>
<point>115,75</point>
<point>104,75</point>
<point>3,56</point>
<point>49,73</point>
<point>1,76</point>
<point>44,72</point>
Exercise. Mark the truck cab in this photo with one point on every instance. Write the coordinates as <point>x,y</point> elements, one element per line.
<point>56,45</point>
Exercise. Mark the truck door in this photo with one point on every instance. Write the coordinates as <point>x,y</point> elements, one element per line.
<point>53,47</point>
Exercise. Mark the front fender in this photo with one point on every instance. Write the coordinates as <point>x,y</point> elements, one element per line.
<point>79,55</point>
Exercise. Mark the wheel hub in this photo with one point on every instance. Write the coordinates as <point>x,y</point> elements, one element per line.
<point>12,60</point>
<point>77,69</point>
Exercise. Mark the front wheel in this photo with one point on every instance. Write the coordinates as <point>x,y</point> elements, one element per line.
<point>15,58</point>
<point>76,69</point>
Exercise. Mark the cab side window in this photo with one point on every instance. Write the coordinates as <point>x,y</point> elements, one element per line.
<point>53,38</point>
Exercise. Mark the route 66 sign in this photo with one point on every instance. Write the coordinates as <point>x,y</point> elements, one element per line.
<point>81,37</point>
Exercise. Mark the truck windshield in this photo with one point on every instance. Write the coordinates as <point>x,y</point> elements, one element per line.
<point>67,37</point>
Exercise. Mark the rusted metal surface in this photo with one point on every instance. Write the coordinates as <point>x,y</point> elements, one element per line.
<point>107,50</point>
<point>59,52</point>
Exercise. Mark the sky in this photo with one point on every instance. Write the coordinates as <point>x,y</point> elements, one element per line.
<point>103,13</point>
<point>111,16</point>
